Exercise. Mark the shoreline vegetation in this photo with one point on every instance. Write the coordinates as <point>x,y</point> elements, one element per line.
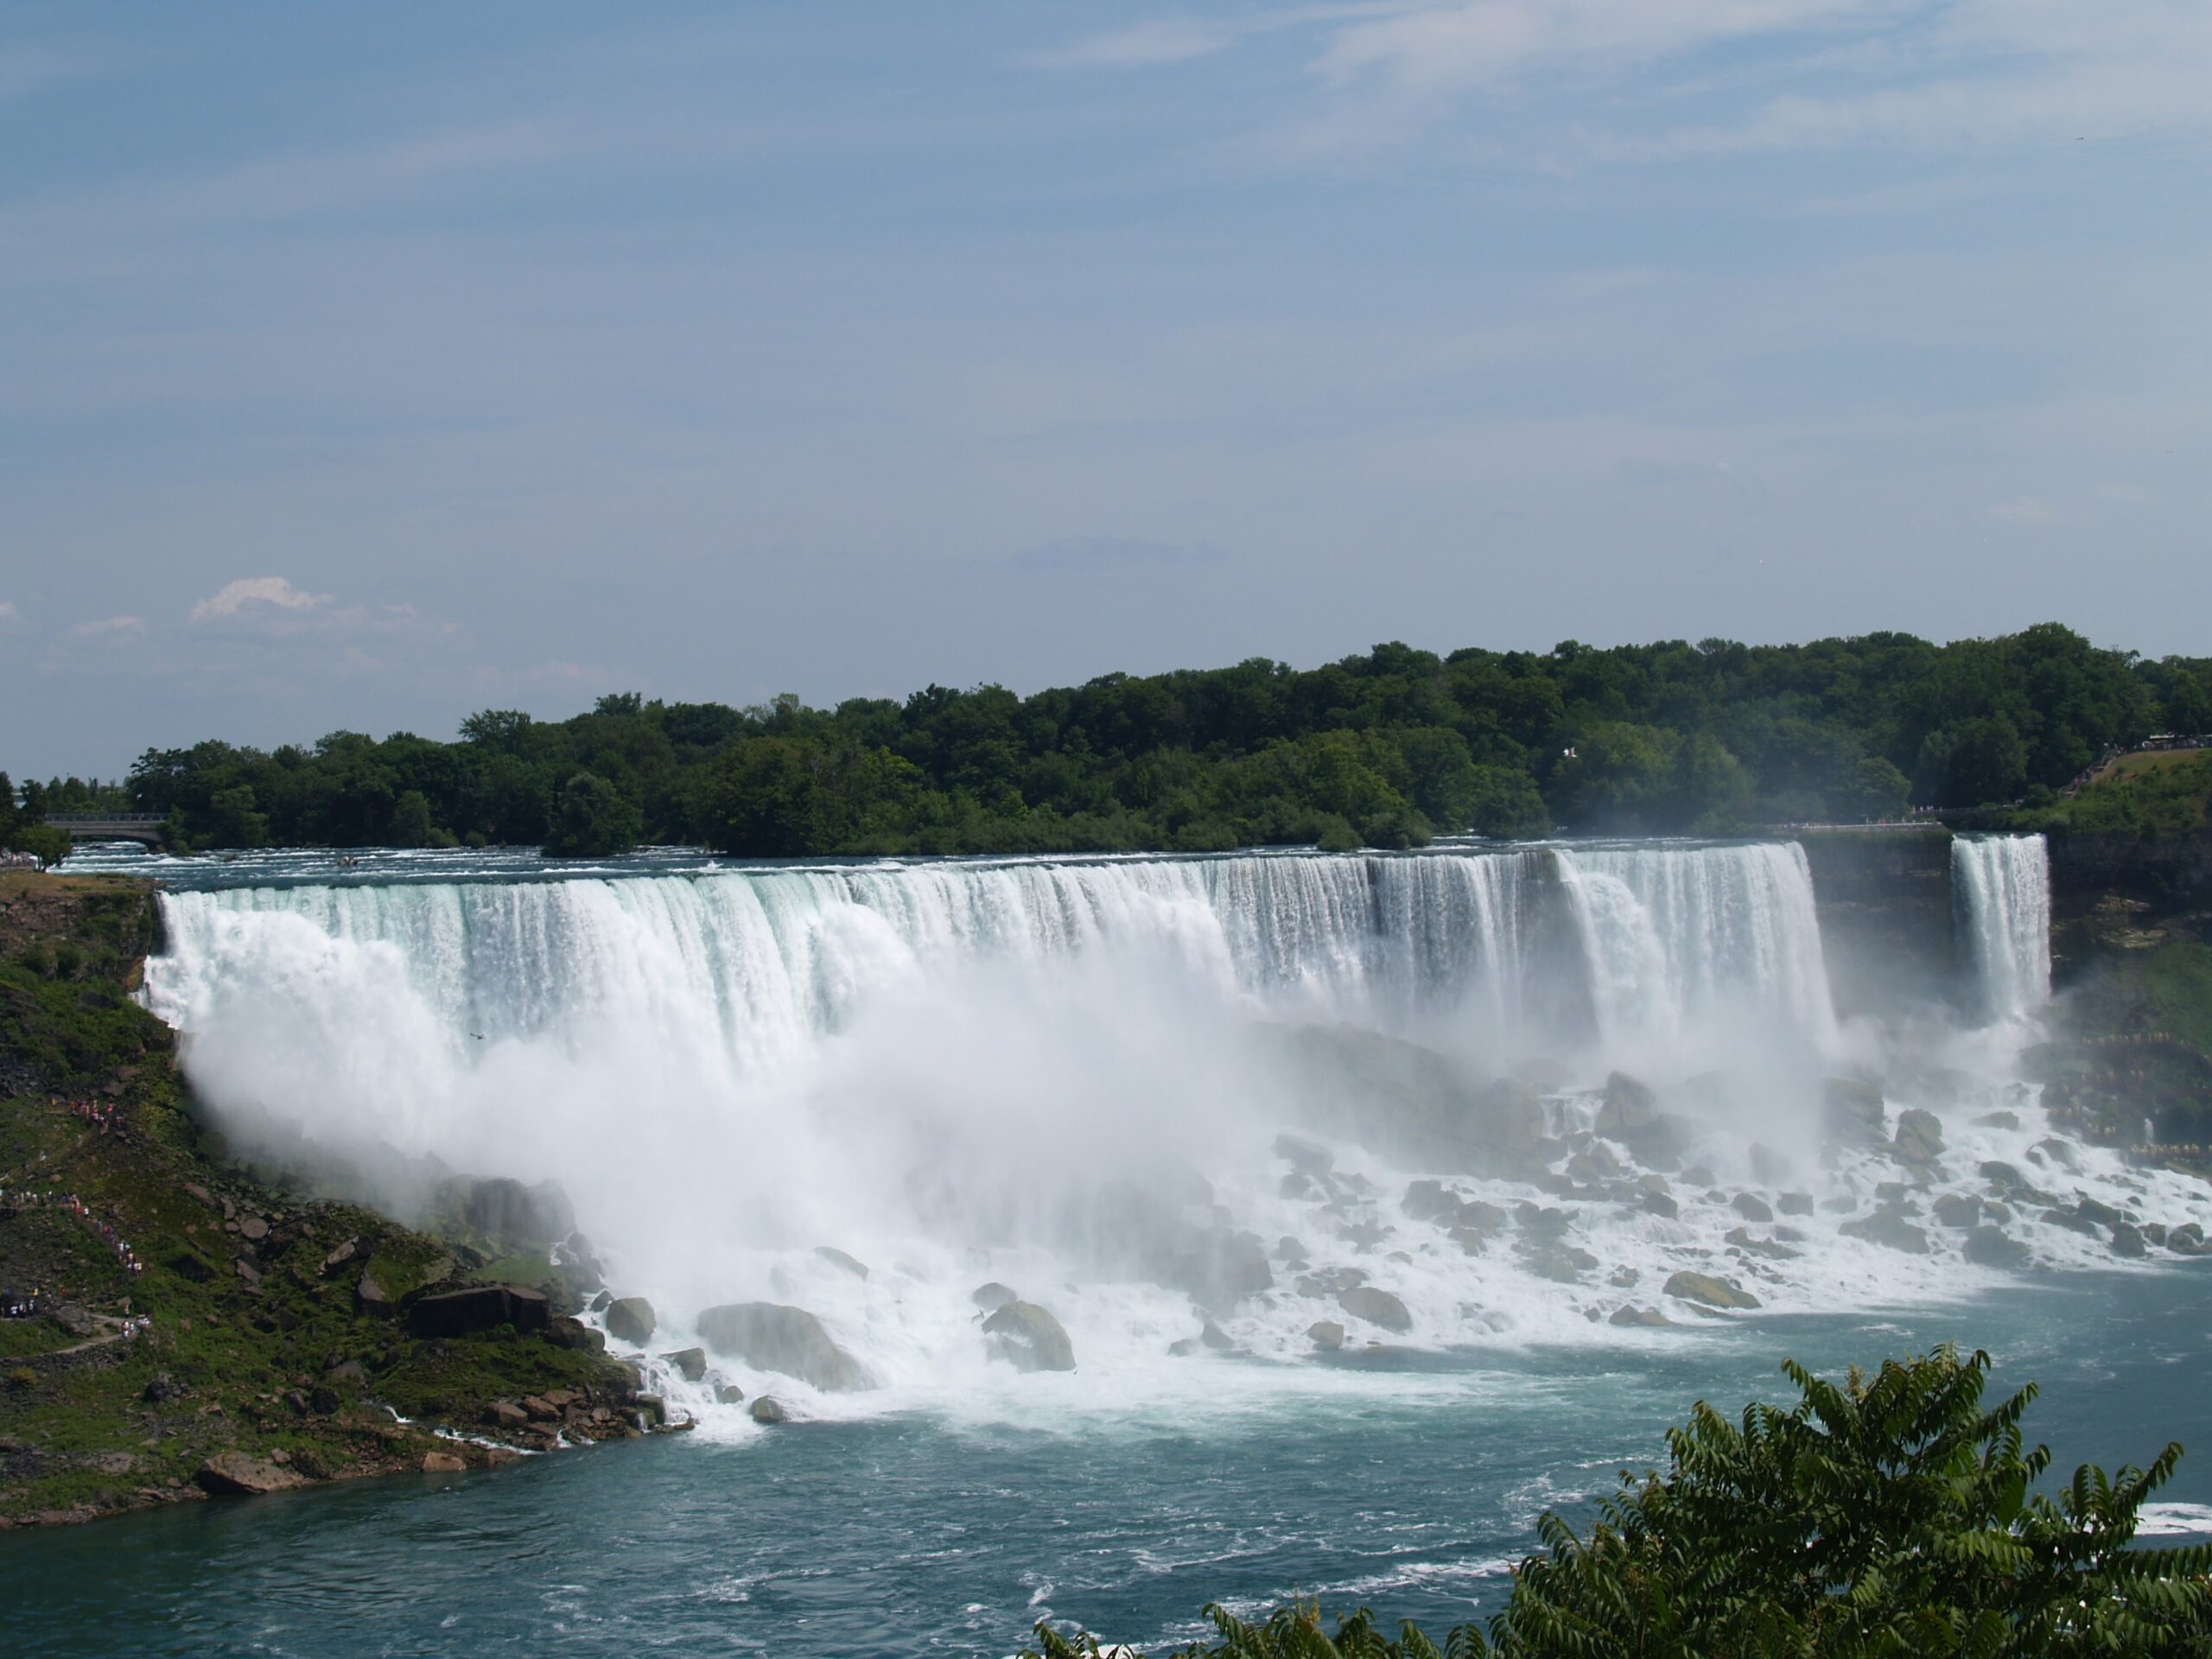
<point>1385,749</point>
<point>185,1325</point>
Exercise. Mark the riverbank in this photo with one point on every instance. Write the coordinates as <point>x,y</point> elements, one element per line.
<point>192,1330</point>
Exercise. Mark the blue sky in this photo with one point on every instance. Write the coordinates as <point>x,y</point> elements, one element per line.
<point>363,366</point>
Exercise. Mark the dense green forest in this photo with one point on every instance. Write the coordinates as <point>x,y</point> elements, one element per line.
<point>1385,749</point>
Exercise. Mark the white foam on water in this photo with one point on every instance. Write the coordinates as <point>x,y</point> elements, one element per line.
<point>1068,1076</point>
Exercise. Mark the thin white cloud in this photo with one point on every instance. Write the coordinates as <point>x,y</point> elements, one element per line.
<point>2023,509</point>
<point>1153,44</point>
<point>110,628</point>
<point>235,596</point>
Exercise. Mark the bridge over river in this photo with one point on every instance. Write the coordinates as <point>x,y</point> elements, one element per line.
<point>110,826</point>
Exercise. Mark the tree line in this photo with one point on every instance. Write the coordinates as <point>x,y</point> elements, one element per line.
<point>1384,749</point>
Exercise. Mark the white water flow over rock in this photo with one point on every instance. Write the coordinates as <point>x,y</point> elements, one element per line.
<point>2002,888</point>
<point>1243,1098</point>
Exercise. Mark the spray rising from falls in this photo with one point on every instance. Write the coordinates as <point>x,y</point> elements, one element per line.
<point>2002,887</point>
<point>1295,1100</point>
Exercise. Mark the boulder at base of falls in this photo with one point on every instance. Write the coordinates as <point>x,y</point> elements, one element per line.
<point>575,1333</point>
<point>1960,1209</point>
<point>769,1409</point>
<point>1851,1111</point>
<point>1631,1117</point>
<point>689,1364</point>
<point>1625,1314</point>
<point>1376,1307</point>
<point>1991,1247</point>
<point>837,1258</point>
<point>480,1307</point>
<point>1795,1204</point>
<point>772,1337</point>
<point>233,1473</point>
<point>729,1394</point>
<point>1919,1137</point>
<point>2127,1239</point>
<point>1751,1207</point>
<point>1327,1335</point>
<point>992,1297</point>
<point>1216,1270</point>
<point>630,1318</point>
<point>1029,1338</point>
<point>1889,1228</point>
<point>1705,1289</point>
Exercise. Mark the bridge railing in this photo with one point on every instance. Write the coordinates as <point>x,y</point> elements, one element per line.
<point>63,820</point>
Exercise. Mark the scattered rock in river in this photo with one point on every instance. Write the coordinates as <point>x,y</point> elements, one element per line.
<point>773,1336</point>
<point>1029,1338</point>
<point>1890,1228</point>
<point>1992,1247</point>
<point>1708,1291</point>
<point>837,1258</point>
<point>1376,1307</point>
<point>1919,1137</point>
<point>234,1472</point>
<point>1960,1209</point>
<point>443,1462</point>
<point>1626,1314</point>
<point>689,1364</point>
<point>769,1409</point>
<point>1751,1207</point>
<point>1327,1335</point>
<point>630,1320</point>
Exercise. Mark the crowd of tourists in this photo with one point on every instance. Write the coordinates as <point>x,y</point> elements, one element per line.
<point>11,860</point>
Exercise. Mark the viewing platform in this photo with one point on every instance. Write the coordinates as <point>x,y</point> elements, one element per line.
<point>110,826</point>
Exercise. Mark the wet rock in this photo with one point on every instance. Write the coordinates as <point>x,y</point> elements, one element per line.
<point>575,1333</point>
<point>2059,1151</point>
<point>1212,1336</point>
<point>504,1413</point>
<point>1330,1281</point>
<point>1707,1291</point>
<point>1795,1204</point>
<point>1992,1247</point>
<point>1029,1338</point>
<point>2155,1232</point>
<point>1960,1209</point>
<point>1998,1121</point>
<point>1363,1235</point>
<point>1594,1162</point>
<point>630,1320</point>
<point>1631,1115</point>
<point>1919,1137</point>
<point>1216,1269</point>
<point>1305,1157</point>
<point>1561,1263</point>
<point>1184,1348</point>
<point>2102,1215</point>
<point>1697,1175</point>
<point>602,1302</point>
<point>768,1409</point>
<point>992,1297</point>
<point>1853,1112</point>
<point>1430,1201</point>
<point>2127,1240</point>
<point>2187,1236</point>
<point>443,1462</point>
<point>1622,1277</point>
<point>235,1473</point>
<point>506,1209</point>
<point>837,1258</point>
<point>1297,1185</point>
<point>2072,1221</point>
<point>1662,1205</point>
<point>689,1364</point>
<point>1751,1207</point>
<point>1376,1307</point>
<point>1290,1252</point>
<point>1626,1314</point>
<point>1327,1335</point>
<point>729,1394</point>
<point>1891,1230</point>
<point>1742,1239</point>
<point>480,1307</point>
<point>772,1337</point>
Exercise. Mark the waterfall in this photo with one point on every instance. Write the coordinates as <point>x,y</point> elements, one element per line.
<point>2001,885</point>
<point>762,964</point>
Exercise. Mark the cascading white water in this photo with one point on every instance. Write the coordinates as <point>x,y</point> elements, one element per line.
<point>1068,1076</point>
<point>2002,888</point>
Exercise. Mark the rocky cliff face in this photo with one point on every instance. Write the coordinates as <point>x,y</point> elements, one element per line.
<point>1886,926</point>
